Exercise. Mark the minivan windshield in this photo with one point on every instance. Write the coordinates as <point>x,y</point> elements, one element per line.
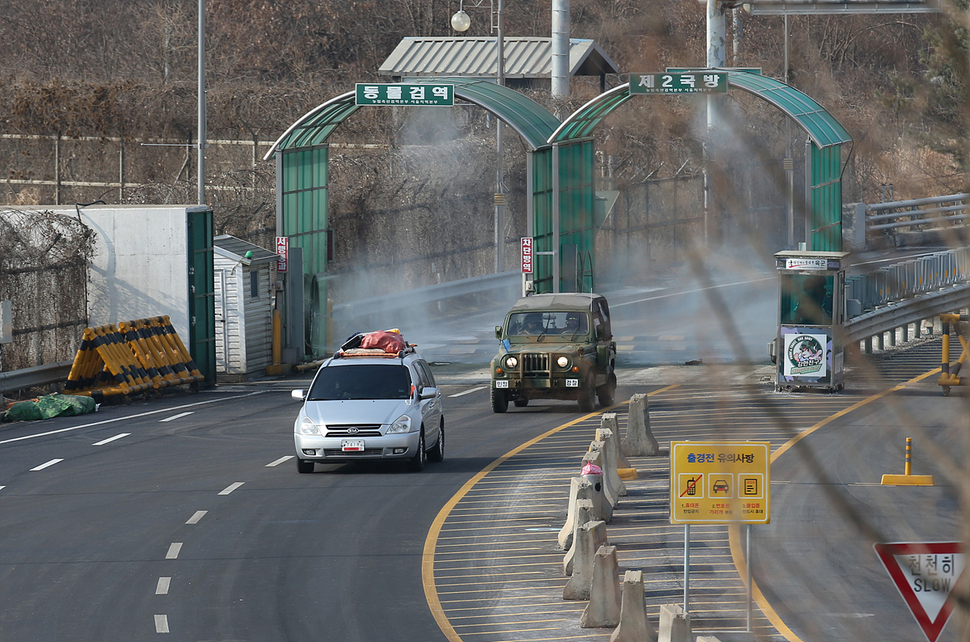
<point>361,381</point>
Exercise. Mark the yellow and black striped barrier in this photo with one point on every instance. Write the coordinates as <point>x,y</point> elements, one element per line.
<point>950,376</point>
<point>132,357</point>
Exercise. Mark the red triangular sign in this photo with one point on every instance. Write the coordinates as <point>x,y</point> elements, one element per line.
<point>925,574</point>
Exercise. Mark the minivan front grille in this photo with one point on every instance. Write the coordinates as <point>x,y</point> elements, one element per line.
<point>356,430</point>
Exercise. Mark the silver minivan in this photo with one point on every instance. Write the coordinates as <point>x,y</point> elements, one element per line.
<point>363,404</point>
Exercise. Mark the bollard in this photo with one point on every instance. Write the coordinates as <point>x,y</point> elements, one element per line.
<point>907,478</point>
<point>639,440</point>
<point>584,515</point>
<point>611,451</point>
<point>634,625</point>
<point>604,594</point>
<point>589,539</point>
<point>579,488</point>
<point>674,624</point>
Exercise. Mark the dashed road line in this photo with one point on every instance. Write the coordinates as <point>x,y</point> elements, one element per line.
<point>467,392</point>
<point>46,464</point>
<point>279,461</point>
<point>164,583</point>
<point>199,514</point>
<point>231,487</point>
<point>174,417</point>
<point>110,439</point>
<point>161,624</point>
<point>173,551</point>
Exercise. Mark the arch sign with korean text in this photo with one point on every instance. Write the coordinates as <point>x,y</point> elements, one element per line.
<point>717,482</point>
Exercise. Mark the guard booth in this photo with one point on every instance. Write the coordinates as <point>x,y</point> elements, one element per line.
<point>811,312</point>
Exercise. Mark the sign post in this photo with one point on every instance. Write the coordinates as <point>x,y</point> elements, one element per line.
<point>282,252</point>
<point>719,482</point>
<point>925,574</point>
<point>682,82</point>
<point>398,94</point>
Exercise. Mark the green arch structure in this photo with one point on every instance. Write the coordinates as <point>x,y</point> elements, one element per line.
<point>560,200</point>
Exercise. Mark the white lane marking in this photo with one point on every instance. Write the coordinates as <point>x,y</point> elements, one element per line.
<point>173,551</point>
<point>174,417</point>
<point>231,487</point>
<point>2,487</point>
<point>161,624</point>
<point>110,439</point>
<point>46,464</point>
<point>199,514</point>
<point>163,585</point>
<point>467,392</point>
<point>128,417</point>
<point>279,461</point>
<point>673,294</point>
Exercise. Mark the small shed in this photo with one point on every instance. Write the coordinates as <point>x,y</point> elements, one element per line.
<point>244,307</point>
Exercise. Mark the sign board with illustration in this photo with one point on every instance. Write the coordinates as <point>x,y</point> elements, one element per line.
<point>717,482</point>
<point>805,355</point>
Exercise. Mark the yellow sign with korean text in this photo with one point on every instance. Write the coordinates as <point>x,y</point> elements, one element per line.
<point>718,482</point>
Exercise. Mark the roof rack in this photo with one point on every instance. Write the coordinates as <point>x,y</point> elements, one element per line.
<point>373,353</point>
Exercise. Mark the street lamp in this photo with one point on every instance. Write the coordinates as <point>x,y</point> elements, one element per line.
<point>460,22</point>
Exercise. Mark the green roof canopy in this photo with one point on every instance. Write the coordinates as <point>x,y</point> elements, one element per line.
<point>530,119</point>
<point>821,126</point>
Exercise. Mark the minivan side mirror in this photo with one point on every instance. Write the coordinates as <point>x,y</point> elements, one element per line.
<point>298,394</point>
<point>498,332</point>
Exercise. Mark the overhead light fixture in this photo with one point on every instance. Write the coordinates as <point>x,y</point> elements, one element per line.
<point>460,21</point>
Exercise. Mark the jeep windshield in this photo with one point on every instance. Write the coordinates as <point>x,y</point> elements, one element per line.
<point>361,381</point>
<point>565,323</point>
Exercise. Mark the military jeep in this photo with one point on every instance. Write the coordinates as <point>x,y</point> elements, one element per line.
<point>555,346</point>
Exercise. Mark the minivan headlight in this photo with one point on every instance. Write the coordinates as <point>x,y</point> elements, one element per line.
<point>400,425</point>
<point>307,427</point>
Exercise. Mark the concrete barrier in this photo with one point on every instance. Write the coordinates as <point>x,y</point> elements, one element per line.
<point>610,422</point>
<point>604,506</point>
<point>610,492</point>
<point>579,488</point>
<point>603,609</point>
<point>634,625</point>
<point>611,450</point>
<point>589,539</point>
<point>584,515</point>
<point>674,625</point>
<point>639,441</point>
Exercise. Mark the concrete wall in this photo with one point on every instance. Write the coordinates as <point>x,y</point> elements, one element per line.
<point>140,265</point>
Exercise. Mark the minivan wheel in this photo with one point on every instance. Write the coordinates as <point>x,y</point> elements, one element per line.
<point>303,466</point>
<point>420,457</point>
<point>437,453</point>
<point>500,401</point>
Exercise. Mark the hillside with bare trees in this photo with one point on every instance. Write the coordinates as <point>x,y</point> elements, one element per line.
<point>88,82</point>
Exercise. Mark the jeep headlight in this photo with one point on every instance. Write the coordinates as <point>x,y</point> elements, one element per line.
<point>400,425</point>
<point>511,362</point>
<point>307,427</point>
<point>562,362</point>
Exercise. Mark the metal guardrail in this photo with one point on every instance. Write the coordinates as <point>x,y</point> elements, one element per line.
<point>415,299</point>
<point>921,275</point>
<point>900,314</point>
<point>33,377</point>
<point>914,220</point>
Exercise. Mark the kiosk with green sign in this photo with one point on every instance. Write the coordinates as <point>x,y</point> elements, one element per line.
<point>808,349</point>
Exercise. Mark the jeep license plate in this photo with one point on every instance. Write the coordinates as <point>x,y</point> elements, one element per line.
<point>572,383</point>
<point>352,445</point>
<point>501,383</point>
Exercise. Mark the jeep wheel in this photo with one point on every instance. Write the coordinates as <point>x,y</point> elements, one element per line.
<point>587,394</point>
<point>607,392</point>
<point>500,401</point>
